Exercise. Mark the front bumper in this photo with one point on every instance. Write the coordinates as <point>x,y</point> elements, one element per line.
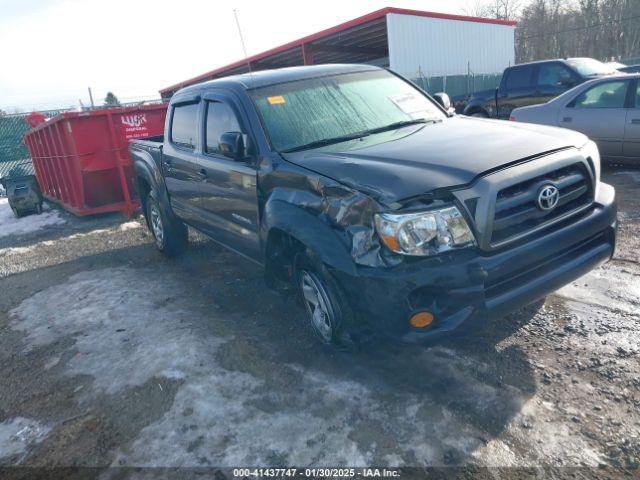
<point>464,288</point>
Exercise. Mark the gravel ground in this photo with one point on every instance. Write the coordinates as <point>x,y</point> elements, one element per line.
<point>111,355</point>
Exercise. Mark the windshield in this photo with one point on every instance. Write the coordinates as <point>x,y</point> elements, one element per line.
<point>305,113</point>
<point>588,67</point>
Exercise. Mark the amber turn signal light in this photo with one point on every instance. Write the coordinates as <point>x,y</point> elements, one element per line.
<point>421,320</point>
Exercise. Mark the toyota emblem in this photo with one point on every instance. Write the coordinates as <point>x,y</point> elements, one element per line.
<point>548,197</point>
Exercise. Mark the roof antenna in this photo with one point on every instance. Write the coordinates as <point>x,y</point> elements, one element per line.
<point>244,48</point>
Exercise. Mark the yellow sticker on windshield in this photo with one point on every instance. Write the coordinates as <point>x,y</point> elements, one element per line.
<point>277,100</point>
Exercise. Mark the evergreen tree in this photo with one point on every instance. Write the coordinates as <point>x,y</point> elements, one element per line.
<point>111,100</point>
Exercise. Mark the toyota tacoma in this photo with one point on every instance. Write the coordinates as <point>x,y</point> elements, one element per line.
<point>385,212</point>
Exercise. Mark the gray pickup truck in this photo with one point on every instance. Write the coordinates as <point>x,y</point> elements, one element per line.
<point>384,211</point>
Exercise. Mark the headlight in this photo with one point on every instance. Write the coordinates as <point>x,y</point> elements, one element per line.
<point>424,233</point>
<point>590,150</point>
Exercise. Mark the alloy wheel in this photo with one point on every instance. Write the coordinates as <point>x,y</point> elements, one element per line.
<point>156,225</point>
<point>318,305</point>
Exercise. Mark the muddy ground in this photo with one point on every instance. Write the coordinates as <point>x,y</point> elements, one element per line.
<point>112,355</point>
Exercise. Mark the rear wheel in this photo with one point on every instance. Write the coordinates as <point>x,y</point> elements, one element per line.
<point>169,233</point>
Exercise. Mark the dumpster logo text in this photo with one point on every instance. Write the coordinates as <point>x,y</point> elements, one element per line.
<point>135,126</point>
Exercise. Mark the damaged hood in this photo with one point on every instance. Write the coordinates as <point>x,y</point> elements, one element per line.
<point>412,161</point>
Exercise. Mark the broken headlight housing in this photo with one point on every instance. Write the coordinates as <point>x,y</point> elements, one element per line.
<point>424,233</point>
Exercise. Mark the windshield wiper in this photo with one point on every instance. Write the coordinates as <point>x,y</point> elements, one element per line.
<point>404,123</point>
<point>327,141</point>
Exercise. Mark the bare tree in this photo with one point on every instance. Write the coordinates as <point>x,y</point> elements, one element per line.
<point>602,29</point>
<point>500,9</point>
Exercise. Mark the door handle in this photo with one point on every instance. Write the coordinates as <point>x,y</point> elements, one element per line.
<point>168,164</point>
<point>635,121</point>
<point>202,173</point>
<point>567,119</point>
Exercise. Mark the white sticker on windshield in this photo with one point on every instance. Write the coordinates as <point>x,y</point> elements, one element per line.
<point>408,102</point>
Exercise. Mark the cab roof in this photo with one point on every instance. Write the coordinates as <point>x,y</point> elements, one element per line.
<point>263,78</point>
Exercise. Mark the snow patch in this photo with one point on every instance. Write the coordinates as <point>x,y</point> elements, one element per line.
<point>116,324</point>
<point>126,335</point>
<point>18,434</point>
<point>606,287</point>
<point>129,226</point>
<point>97,231</point>
<point>10,225</point>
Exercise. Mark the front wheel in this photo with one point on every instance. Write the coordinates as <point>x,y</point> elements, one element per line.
<point>169,233</point>
<point>479,114</point>
<point>327,311</point>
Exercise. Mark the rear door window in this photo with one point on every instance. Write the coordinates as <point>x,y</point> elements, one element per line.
<point>519,77</point>
<point>220,119</point>
<point>184,125</point>
<point>604,95</point>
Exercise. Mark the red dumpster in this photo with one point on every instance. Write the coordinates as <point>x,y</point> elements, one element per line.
<point>81,159</point>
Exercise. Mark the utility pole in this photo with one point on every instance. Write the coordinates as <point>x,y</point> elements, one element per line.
<point>91,98</point>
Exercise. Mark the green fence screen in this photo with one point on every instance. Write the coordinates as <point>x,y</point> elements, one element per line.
<point>12,129</point>
<point>458,85</point>
<point>14,156</point>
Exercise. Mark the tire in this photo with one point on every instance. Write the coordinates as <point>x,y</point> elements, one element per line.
<point>169,233</point>
<point>479,114</point>
<point>327,312</point>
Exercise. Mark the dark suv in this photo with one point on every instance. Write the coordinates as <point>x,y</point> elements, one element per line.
<point>533,83</point>
<point>357,189</point>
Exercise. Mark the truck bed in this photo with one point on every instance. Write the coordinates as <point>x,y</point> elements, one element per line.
<point>149,142</point>
<point>150,147</point>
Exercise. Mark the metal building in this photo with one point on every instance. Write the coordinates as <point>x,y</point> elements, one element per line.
<point>439,51</point>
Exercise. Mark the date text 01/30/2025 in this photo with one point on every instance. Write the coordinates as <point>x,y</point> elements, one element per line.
<point>316,472</point>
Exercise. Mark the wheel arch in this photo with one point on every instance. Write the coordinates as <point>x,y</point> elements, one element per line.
<point>290,229</point>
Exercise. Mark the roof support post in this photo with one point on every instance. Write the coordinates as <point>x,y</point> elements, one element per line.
<point>307,54</point>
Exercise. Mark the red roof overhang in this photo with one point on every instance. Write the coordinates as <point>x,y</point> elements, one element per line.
<point>378,14</point>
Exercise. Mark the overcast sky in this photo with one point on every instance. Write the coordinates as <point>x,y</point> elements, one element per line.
<point>52,50</point>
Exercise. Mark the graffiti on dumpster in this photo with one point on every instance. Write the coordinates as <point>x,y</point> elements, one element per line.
<point>135,126</point>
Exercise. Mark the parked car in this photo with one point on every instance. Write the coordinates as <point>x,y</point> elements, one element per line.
<point>630,69</point>
<point>357,189</point>
<point>23,194</point>
<point>533,83</point>
<point>607,110</point>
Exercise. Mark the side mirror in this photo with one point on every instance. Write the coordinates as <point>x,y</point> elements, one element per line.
<point>231,144</point>
<point>443,99</point>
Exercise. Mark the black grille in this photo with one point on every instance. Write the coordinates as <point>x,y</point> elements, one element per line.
<point>517,211</point>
